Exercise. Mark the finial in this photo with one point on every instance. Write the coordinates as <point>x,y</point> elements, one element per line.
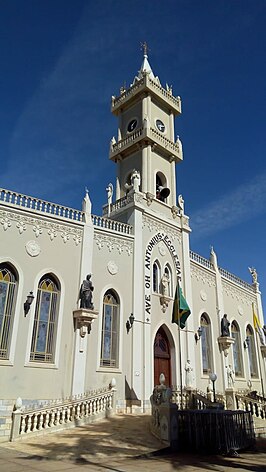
<point>86,190</point>
<point>144,47</point>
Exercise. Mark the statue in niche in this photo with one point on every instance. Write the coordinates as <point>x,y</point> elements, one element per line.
<point>189,374</point>
<point>225,326</point>
<point>254,274</point>
<point>230,376</point>
<point>85,293</point>
<point>165,284</point>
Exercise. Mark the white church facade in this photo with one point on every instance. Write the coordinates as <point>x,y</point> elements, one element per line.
<point>51,348</point>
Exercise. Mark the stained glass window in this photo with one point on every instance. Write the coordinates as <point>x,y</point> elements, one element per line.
<point>45,321</point>
<point>8,292</point>
<point>251,352</point>
<point>110,330</point>
<point>237,355</point>
<point>206,344</point>
<point>156,277</point>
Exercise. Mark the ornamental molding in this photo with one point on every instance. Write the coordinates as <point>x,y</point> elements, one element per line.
<point>112,268</point>
<point>154,225</point>
<point>203,276</point>
<point>237,294</point>
<point>39,227</point>
<point>33,248</point>
<point>113,244</point>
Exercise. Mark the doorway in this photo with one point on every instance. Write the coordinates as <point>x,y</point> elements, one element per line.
<point>162,358</point>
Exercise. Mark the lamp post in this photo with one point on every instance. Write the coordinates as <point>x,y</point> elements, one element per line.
<point>213,378</point>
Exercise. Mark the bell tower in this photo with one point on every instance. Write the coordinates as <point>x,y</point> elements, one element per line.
<point>146,140</point>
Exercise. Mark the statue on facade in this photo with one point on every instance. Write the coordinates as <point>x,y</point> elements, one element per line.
<point>135,180</point>
<point>85,293</point>
<point>189,374</point>
<point>230,376</point>
<point>165,284</point>
<point>254,274</point>
<point>181,202</point>
<point>225,326</point>
<point>110,191</point>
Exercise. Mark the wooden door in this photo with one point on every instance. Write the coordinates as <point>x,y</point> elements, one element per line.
<point>162,358</point>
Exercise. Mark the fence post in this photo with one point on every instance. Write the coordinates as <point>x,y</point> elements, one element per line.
<point>16,420</point>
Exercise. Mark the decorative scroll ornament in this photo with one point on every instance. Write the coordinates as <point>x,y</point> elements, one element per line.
<point>33,248</point>
<point>224,344</point>
<point>6,223</point>
<point>37,230</point>
<point>21,227</point>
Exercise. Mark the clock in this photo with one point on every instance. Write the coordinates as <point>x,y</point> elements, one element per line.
<point>160,126</point>
<point>132,125</point>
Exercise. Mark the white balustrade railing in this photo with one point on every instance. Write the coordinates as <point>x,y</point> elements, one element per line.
<point>233,278</point>
<point>257,407</point>
<point>32,203</point>
<point>224,273</point>
<point>200,260</point>
<point>106,223</point>
<point>62,414</point>
<point>128,140</point>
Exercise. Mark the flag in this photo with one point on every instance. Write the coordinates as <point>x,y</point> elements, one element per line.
<point>257,325</point>
<point>181,309</point>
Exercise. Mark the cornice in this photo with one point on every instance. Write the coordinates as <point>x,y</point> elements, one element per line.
<point>39,227</point>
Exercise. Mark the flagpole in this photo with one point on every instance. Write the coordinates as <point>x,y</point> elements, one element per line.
<point>258,350</point>
<point>180,358</point>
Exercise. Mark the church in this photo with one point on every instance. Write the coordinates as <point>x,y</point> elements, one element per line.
<point>87,301</point>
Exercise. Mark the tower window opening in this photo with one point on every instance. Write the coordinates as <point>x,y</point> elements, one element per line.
<point>162,192</point>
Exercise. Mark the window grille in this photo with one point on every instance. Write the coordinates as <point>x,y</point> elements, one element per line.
<point>8,293</point>
<point>110,331</point>
<point>45,321</point>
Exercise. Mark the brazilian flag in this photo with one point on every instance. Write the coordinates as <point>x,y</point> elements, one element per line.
<point>181,309</point>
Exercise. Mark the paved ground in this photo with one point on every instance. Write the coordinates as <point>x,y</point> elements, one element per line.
<point>119,444</point>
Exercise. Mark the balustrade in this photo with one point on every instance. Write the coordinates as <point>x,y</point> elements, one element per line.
<point>60,415</point>
<point>35,204</point>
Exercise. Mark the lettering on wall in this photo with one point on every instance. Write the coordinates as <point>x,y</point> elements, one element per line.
<point>147,274</point>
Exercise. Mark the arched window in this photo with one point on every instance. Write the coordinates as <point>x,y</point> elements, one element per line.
<point>168,280</point>
<point>110,330</point>
<point>45,320</point>
<point>237,353</point>
<point>207,365</point>
<point>8,294</point>
<point>250,341</point>
<point>156,276</point>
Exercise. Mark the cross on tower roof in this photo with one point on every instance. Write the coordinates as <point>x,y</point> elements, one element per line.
<point>144,47</point>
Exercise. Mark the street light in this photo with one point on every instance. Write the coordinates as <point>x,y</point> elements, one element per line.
<point>213,378</point>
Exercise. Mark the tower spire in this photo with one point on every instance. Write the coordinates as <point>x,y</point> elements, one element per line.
<point>145,67</point>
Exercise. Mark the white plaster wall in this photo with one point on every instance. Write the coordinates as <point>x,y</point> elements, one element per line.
<point>27,379</point>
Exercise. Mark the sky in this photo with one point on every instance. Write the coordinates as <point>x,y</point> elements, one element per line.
<point>62,60</point>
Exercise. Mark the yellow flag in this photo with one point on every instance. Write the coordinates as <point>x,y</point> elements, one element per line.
<point>257,325</point>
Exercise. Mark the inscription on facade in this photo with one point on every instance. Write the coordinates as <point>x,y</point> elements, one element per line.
<point>159,237</point>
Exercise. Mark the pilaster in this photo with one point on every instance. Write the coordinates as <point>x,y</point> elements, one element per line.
<point>81,341</point>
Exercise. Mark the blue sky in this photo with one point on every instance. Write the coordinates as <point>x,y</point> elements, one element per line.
<point>61,60</point>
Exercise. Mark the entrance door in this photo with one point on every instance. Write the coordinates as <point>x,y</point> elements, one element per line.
<point>162,358</point>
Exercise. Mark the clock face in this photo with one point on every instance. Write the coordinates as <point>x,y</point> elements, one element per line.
<point>160,125</point>
<point>132,125</point>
